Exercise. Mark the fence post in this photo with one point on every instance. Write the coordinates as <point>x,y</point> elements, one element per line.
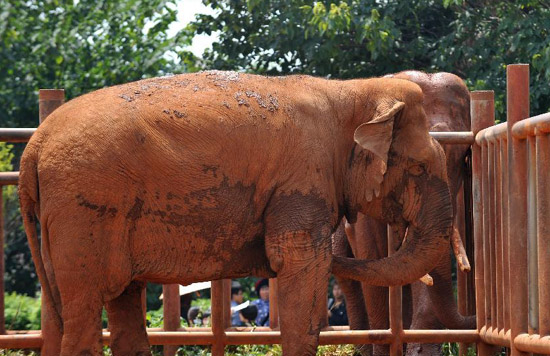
<point>396,308</point>
<point>543,230</point>
<point>217,317</point>
<point>48,101</point>
<point>517,91</point>
<point>2,265</point>
<point>171,313</point>
<point>273,304</point>
<point>482,115</point>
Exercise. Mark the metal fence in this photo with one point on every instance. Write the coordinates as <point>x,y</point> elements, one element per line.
<point>511,223</point>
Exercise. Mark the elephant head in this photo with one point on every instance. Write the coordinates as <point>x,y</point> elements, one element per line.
<point>397,174</point>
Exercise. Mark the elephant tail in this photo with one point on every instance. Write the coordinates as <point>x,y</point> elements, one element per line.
<point>30,211</point>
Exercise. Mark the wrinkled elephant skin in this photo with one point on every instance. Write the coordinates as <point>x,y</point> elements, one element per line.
<point>447,107</point>
<point>217,175</point>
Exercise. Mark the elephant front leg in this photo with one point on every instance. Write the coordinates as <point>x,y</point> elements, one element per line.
<point>302,264</point>
<point>126,323</point>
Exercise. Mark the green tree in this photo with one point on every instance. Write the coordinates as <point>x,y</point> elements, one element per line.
<point>358,38</point>
<point>80,46</point>
<point>338,39</point>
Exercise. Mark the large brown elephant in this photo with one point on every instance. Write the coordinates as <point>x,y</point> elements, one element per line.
<point>217,175</point>
<point>447,105</point>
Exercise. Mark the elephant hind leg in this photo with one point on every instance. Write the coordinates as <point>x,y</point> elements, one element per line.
<point>126,323</point>
<point>81,322</point>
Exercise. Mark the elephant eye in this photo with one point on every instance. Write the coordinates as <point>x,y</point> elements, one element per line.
<point>417,170</point>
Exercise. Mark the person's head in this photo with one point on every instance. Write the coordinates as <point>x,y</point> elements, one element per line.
<point>248,314</point>
<point>193,315</point>
<point>337,292</point>
<point>236,292</point>
<point>262,289</point>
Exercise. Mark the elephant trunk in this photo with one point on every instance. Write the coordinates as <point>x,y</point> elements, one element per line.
<point>427,240</point>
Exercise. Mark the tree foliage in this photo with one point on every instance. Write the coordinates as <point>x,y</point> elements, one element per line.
<point>359,38</point>
<point>80,46</point>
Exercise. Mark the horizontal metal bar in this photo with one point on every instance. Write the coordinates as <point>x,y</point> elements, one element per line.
<point>459,137</point>
<point>440,336</point>
<point>20,341</point>
<point>533,343</point>
<point>495,337</point>
<point>16,134</point>
<point>492,133</point>
<point>34,340</point>
<point>24,134</point>
<point>9,178</point>
<point>532,126</point>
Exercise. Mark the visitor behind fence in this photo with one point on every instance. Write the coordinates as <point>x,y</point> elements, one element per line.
<point>337,314</point>
<point>236,299</point>
<point>262,290</point>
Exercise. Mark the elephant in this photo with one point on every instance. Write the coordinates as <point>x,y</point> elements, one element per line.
<point>215,175</point>
<point>447,105</point>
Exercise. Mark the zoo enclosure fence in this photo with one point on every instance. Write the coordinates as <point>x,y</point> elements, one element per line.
<point>511,230</point>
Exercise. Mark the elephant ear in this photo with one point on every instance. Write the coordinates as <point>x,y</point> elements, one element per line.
<point>375,136</point>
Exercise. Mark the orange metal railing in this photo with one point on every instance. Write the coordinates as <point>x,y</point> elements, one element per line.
<point>511,227</point>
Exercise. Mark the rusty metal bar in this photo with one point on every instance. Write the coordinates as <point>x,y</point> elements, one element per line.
<point>543,230</point>
<point>518,109</point>
<point>171,313</point>
<point>486,228</point>
<point>533,126</point>
<point>532,254</point>
<point>462,291</point>
<point>533,343</point>
<point>445,138</point>
<point>498,237</point>
<point>48,101</point>
<point>504,228</point>
<point>16,134</point>
<point>492,133</point>
<point>226,303</point>
<point>34,340</point>
<point>395,301</point>
<point>482,111</point>
<point>9,178</point>
<point>2,264</point>
<point>492,230</point>
<point>217,317</point>
<point>495,337</point>
<point>273,304</point>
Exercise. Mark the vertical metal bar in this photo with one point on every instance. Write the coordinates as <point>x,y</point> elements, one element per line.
<point>504,223</point>
<point>491,237</point>
<point>462,291</point>
<point>171,313</point>
<point>144,303</point>
<point>2,266</point>
<point>518,109</point>
<point>48,101</point>
<point>461,276</point>
<point>532,254</point>
<point>543,231</point>
<point>482,115</point>
<point>273,304</point>
<point>226,303</point>
<point>486,228</point>
<point>217,318</point>
<point>396,318</point>
<point>498,237</point>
